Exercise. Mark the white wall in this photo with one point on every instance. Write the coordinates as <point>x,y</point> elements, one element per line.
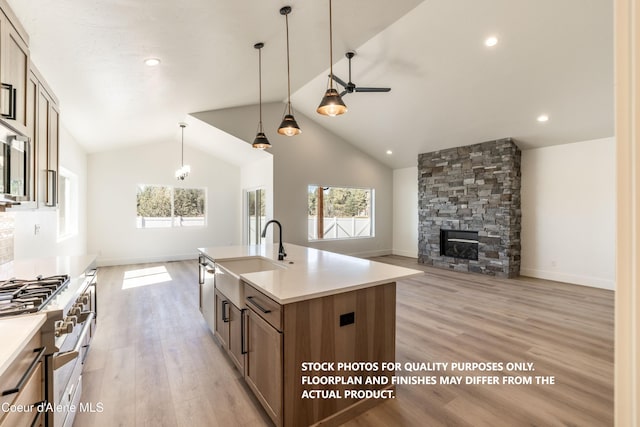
<point>405,212</point>
<point>27,244</point>
<point>317,156</point>
<point>113,180</point>
<point>258,174</point>
<point>568,213</point>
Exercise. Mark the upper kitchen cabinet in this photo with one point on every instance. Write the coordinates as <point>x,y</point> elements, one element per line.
<point>14,70</point>
<point>43,122</point>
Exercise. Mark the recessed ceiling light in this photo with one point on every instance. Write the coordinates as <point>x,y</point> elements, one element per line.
<point>491,41</point>
<point>151,62</point>
<point>543,118</point>
<point>389,152</point>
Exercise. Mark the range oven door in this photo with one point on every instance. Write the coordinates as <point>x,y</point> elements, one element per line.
<point>67,369</point>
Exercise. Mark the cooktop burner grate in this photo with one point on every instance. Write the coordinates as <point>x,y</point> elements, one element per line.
<point>18,296</point>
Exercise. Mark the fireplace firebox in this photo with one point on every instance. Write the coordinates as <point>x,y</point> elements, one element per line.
<point>459,244</point>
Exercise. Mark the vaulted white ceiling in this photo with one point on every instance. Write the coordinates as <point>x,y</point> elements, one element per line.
<point>448,89</point>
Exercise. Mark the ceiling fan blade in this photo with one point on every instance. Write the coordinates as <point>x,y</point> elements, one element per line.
<point>339,81</point>
<point>372,89</point>
<point>344,92</point>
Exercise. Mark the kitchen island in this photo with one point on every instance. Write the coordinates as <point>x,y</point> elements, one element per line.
<point>313,335</point>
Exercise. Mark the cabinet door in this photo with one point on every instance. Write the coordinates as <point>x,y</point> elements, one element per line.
<point>32,130</point>
<point>263,369</point>
<point>47,139</point>
<point>222,319</point>
<point>14,74</point>
<point>236,336</point>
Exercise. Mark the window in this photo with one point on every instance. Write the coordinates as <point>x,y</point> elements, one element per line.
<point>255,215</point>
<point>164,207</point>
<point>340,213</point>
<point>67,204</point>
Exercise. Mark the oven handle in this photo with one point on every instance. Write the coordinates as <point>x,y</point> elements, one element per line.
<point>26,375</point>
<point>63,358</point>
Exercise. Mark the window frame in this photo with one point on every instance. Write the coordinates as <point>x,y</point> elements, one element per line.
<point>173,217</point>
<point>372,228</point>
<point>68,205</point>
<point>260,198</point>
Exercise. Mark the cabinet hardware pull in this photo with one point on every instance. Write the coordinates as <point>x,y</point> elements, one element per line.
<point>52,188</point>
<point>225,318</point>
<point>11,115</point>
<point>243,349</point>
<point>261,308</point>
<point>27,374</point>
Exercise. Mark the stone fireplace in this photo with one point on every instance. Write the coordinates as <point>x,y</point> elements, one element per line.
<point>469,208</point>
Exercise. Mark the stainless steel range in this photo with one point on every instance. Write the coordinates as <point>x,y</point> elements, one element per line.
<point>70,304</point>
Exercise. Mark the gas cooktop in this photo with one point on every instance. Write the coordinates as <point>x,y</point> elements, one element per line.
<point>19,296</point>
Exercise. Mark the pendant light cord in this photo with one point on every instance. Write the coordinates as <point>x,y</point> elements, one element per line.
<point>182,127</point>
<point>260,84</point>
<point>330,48</point>
<point>286,19</point>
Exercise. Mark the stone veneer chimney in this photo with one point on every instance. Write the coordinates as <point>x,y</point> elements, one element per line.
<point>472,188</point>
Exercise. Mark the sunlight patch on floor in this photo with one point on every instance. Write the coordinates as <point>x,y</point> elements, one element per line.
<point>145,277</point>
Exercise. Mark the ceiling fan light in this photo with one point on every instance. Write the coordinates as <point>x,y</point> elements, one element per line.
<point>261,142</point>
<point>289,126</point>
<point>331,104</point>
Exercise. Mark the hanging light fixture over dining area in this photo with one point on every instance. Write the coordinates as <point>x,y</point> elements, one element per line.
<point>184,170</point>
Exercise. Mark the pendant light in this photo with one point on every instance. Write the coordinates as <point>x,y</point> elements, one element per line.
<point>331,104</point>
<point>184,170</point>
<point>261,142</point>
<point>288,127</point>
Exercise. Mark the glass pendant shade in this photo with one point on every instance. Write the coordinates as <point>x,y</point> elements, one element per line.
<point>261,142</point>
<point>289,126</point>
<point>183,172</point>
<point>331,104</point>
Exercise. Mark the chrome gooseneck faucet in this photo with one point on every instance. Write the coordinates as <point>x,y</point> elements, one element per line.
<point>281,253</point>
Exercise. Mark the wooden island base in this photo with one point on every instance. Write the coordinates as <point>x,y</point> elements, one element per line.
<point>314,337</point>
<point>312,332</point>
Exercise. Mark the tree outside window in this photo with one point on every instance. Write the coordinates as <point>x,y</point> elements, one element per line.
<point>339,212</point>
<point>165,206</point>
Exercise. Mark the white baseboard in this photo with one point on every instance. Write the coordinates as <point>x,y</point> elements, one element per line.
<point>369,254</point>
<point>594,282</point>
<point>409,254</point>
<point>107,262</point>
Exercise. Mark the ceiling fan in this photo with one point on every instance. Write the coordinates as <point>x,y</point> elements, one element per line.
<point>350,87</point>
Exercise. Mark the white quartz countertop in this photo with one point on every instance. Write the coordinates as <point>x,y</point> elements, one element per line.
<point>309,273</point>
<point>15,333</point>
<point>29,269</point>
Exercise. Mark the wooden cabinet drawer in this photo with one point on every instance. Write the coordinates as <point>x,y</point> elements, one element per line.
<point>31,394</point>
<point>16,372</point>
<point>264,306</point>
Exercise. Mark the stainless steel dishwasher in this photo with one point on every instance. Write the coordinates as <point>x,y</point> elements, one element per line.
<point>206,276</point>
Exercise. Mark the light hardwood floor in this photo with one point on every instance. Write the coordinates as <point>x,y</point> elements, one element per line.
<point>153,361</point>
